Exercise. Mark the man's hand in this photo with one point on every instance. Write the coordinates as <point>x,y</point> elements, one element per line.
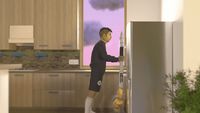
<point>121,58</point>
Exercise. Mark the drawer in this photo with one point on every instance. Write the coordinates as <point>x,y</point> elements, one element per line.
<point>48,81</point>
<point>52,98</point>
<point>36,98</point>
<point>20,90</point>
<point>69,80</point>
<point>69,98</point>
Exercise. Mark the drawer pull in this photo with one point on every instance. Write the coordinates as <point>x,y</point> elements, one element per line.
<point>66,45</point>
<point>53,92</point>
<point>53,75</point>
<point>19,74</point>
<point>43,45</point>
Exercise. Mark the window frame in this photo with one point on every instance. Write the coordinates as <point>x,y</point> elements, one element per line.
<point>80,30</point>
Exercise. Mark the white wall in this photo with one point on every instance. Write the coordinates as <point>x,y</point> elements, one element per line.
<point>166,10</point>
<point>171,10</point>
<point>143,10</point>
<point>161,10</point>
<point>191,35</point>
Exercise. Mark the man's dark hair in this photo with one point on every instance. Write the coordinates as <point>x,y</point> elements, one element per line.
<point>104,30</point>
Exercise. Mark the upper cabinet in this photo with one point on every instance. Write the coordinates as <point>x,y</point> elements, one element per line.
<point>22,12</point>
<point>13,12</point>
<point>55,24</point>
<point>3,25</point>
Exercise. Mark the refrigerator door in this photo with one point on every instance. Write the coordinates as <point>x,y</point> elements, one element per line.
<point>149,52</point>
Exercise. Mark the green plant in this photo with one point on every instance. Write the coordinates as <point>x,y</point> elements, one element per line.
<point>185,94</point>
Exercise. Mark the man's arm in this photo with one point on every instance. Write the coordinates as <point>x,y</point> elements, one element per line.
<point>103,54</point>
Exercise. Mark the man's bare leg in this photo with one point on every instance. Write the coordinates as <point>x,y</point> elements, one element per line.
<point>89,101</point>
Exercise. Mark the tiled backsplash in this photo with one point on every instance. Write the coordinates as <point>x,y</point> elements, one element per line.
<point>35,59</point>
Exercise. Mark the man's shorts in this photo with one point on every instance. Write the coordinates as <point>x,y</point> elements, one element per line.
<point>96,80</point>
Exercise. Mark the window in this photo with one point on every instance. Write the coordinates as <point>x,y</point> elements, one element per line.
<point>98,14</point>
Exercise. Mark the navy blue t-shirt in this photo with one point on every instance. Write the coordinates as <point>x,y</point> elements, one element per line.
<point>100,57</point>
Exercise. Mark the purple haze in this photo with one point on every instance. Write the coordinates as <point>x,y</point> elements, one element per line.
<point>106,17</point>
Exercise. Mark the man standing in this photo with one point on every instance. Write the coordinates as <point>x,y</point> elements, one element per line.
<point>98,65</point>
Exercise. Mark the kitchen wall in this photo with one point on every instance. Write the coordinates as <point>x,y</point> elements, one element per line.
<point>191,35</point>
<point>37,59</point>
<point>143,10</point>
<point>164,10</point>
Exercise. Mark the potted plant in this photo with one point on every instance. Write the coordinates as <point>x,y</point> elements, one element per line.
<point>185,91</point>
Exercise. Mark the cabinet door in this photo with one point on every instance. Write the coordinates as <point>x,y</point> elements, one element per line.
<point>21,90</point>
<point>69,98</point>
<point>44,14</point>
<point>37,89</point>
<point>13,12</point>
<point>55,24</point>
<point>47,86</point>
<point>22,12</point>
<point>69,89</point>
<point>6,18</point>
<point>67,24</point>
<point>81,88</point>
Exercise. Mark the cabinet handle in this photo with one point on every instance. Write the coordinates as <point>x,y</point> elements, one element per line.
<point>66,45</point>
<point>19,75</point>
<point>43,45</point>
<point>87,75</point>
<point>53,75</point>
<point>53,92</point>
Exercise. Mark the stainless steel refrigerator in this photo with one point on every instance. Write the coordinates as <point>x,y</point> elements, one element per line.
<point>149,58</point>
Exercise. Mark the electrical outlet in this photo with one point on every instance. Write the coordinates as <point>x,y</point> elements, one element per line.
<point>73,61</point>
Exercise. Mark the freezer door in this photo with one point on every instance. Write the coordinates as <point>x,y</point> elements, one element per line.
<point>149,52</point>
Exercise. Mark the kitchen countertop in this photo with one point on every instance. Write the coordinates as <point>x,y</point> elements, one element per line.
<point>10,66</point>
<point>4,85</point>
<point>60,71</point>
